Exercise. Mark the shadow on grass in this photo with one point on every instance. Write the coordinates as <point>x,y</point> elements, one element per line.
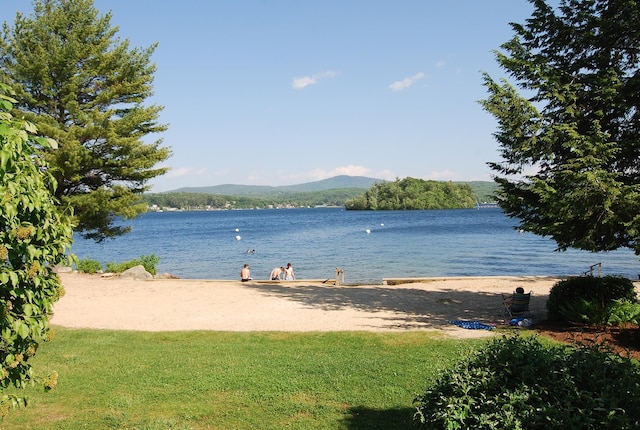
<point>375,419</point>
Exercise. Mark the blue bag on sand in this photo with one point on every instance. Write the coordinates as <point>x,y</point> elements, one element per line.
<point>515,321</point>
<point>472,325</point>
<point>521,322</point>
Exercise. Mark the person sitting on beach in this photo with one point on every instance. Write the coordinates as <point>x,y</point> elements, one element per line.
<point>288,273</point>
<point>245,273</point>
<point>507,300</point>
<point>277,274</point>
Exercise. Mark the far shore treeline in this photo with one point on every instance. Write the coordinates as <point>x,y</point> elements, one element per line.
<point>407,193</point>
<point>204,201</point>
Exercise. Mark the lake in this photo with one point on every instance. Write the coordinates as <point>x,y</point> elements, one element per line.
<point>367,245</point>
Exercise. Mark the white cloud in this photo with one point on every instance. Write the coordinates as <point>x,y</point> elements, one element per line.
<point>186,171</point>
<point>351,170</point>
<point>387,175</point>
<point>194,177</point>
<point>406,82</point>
<point>445,61</point>
<point>305,81</point>
<point>444,175</point>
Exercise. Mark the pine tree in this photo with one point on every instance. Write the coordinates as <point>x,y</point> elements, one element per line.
<point>569,129</point>
<point>85,88</point>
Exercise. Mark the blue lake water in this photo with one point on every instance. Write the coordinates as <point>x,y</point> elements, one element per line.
<point>205,245</point>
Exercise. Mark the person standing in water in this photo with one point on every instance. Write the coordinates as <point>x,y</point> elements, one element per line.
<point>289,275</point>
<point>277,274</point>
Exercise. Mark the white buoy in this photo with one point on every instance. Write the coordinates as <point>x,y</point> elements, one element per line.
<point>368,231</point>
<point>238,237</point>
<point>381,224</point>
<point>237,229</point>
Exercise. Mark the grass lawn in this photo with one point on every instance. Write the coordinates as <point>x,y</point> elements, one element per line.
<point>223,380</point>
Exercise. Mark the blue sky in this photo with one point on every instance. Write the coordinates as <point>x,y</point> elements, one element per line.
<point>292,91</point>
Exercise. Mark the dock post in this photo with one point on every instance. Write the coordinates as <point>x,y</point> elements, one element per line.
<point>339,276</point>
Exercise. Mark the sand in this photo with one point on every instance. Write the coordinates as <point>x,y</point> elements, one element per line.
<point>114,303</point>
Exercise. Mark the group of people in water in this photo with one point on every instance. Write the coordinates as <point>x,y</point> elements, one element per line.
<point>277,274</point>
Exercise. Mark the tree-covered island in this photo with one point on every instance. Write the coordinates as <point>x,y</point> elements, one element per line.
<point>411,193</point>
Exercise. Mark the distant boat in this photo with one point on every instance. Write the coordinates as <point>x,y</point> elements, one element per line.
<point>485,205</point>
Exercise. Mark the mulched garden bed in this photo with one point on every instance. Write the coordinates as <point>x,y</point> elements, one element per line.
<point>623,340</point>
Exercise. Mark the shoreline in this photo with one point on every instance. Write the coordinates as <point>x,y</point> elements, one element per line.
<point>159,304</point>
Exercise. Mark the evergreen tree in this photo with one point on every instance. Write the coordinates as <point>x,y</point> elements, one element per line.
<point>84,87</point>
<point>570,141</point>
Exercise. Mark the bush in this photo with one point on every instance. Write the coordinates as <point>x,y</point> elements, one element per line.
<point>89,266</point>
<point>624,312</point>
<point>518,383</point>
<point>35,234</point>
<point>147,261</point>
<point>586,312</point>
<point>585,299</point>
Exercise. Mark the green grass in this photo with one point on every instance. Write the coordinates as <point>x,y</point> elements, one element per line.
<point>221,380</point>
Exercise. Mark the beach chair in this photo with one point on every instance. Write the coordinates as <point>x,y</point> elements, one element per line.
<point>516,304</point>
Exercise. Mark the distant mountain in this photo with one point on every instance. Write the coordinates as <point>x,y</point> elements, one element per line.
<point>337,182</point>
<point>483,190</point>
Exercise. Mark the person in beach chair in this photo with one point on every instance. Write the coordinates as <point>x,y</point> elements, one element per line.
<point>516,304</point>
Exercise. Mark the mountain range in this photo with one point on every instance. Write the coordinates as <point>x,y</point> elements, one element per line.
<point>483,190</point>
<point>336,182</point>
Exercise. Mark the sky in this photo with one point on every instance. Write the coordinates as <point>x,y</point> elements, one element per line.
<point>283,92</point>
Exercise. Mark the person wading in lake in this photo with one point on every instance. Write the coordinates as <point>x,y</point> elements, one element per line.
<point>277,274</point>
<point>245,273</point>
<point>289,275</point>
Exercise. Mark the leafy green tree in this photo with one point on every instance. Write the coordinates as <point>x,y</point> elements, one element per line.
<point>34,236</point>
<point>84,87</point>
<point>569,130</point>
<point>411,193</point>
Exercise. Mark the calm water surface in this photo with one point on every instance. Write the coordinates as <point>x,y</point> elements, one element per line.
<point>368,246</point>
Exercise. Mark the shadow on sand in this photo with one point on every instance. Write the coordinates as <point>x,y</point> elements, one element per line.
<point>415,307</point>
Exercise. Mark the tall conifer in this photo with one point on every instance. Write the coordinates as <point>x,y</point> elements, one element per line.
<point>84,87</point>
<point>569,125</point>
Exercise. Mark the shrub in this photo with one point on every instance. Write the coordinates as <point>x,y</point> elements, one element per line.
<point>35,234</point>
<point>519,383</point>
<point>586,298</point>
<point>89,266</point>
<point>624,312</point>
<point>585,311</point>
<point>149,263</point>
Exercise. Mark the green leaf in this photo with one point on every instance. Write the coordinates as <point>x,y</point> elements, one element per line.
<point>22,329</point>
<point>4,158</point>
<point>5,104</point>
<point>14,279</point>
<point>47,142</point>
<point>27,309</point>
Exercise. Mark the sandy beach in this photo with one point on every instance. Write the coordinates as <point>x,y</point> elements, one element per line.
<point>93,301</point>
